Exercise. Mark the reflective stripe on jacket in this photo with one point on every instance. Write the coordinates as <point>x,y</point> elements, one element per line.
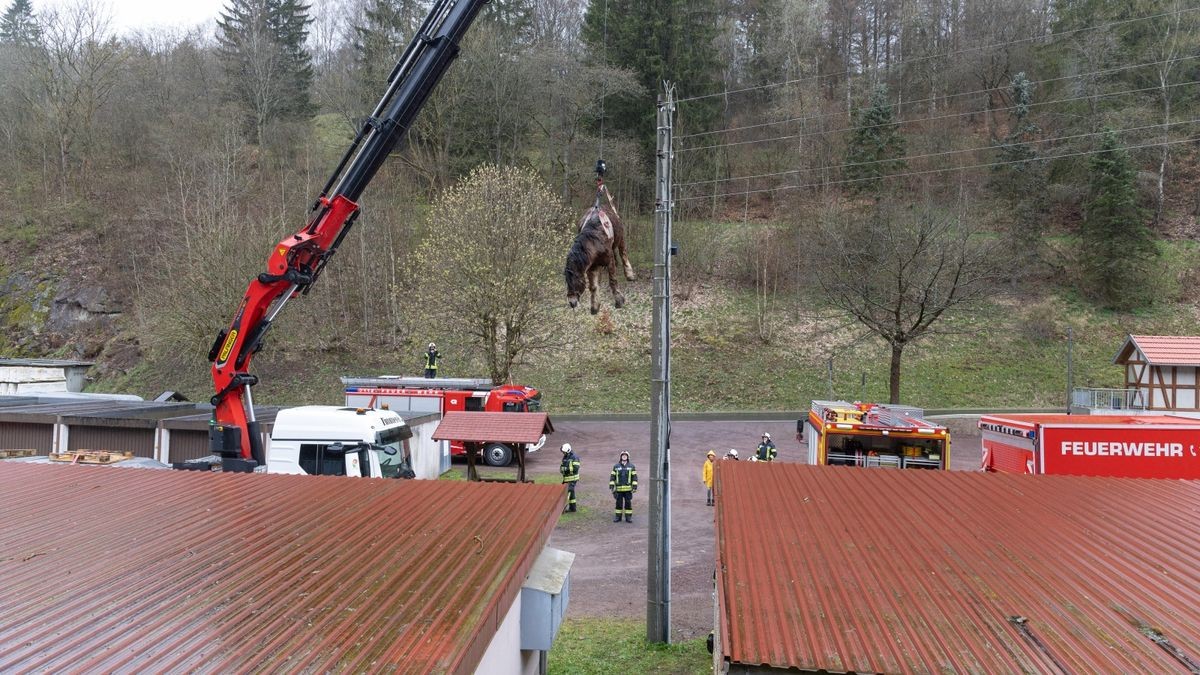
<point>623,478</point>
<point>766,451</point>
<point>569,468</point>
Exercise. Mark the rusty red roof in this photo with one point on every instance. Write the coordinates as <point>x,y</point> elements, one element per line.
<point>1033,419</point>
<point>871,570</point>
<point>105,569</point>
<point>493,426</point>
<point>1162,350</point>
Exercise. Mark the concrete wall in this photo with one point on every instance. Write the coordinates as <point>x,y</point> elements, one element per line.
<point>35,379</point>
<point>9,388</point>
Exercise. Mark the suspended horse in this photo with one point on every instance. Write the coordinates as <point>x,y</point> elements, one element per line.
<point>601,238</point>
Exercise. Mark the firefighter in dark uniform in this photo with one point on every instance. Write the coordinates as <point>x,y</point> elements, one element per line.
<point>766,449</point>
<point>622,483</point>
<point>570,474</point>
<point>431,359</point>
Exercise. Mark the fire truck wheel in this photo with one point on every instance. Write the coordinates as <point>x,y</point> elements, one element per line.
<point>497,454</point>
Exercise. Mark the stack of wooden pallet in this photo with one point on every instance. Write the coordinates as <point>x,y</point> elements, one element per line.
<point>90,456</point>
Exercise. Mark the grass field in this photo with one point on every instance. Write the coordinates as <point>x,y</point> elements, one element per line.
<point>1010,352</point>
<point>606,646</point>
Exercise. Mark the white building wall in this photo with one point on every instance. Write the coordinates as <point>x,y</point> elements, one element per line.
<point>1185,375</point>
<point>430,458</point>
<point>1187,399</point>
<point>504,655</point>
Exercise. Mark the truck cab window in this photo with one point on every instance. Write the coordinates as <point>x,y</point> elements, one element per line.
<point>392,447</point>
<point>317,462</point>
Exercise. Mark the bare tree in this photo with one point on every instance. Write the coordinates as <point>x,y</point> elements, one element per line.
<point>898,271</point>
<point>69,78</point>
<point>491,265</point>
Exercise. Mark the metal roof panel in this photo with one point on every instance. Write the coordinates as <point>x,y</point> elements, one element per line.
<point>929,571</point>
<point>503,427</point>
<point>152,571</point>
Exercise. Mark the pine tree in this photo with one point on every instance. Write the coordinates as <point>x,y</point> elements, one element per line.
<point>1118,249</point>
<point>387,28</point>
<point>268,71</point>
<point>671,40</point>
<point>876,147</point>
<point>19,26</point>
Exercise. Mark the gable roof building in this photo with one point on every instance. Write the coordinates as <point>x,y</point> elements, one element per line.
<point>111,569</point>
<point>1161,371</point>
<point>859,570</point>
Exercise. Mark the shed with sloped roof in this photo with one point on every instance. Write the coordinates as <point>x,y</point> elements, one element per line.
<point>1161,371</point>
<point>861,570</point>
<point>131,570</point>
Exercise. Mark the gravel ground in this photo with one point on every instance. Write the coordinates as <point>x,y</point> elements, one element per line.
<point>609,575</point>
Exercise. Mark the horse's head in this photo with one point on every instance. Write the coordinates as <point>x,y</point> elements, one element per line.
<point>579,259</point>
<point>574,286</point>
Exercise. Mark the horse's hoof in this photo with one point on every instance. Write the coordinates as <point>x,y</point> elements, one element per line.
<point>619,302</point>
<point>595,310</point>
<point>631,276</point>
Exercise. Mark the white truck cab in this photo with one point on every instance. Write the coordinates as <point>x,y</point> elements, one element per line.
<point>339,441</point>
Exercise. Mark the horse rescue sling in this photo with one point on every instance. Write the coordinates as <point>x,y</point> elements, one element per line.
<point>606,225</point>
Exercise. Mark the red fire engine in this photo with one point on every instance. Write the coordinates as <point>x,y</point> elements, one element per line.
<point>443,395</point>
<point>1139,446</point>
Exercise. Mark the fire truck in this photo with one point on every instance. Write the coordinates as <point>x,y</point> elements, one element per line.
<point>1138,446</point>
<point>298,260</point>
<point>873,435</point>
<point>443,395</point>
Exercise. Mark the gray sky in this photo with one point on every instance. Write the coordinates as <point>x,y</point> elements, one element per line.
<point>130,15</point>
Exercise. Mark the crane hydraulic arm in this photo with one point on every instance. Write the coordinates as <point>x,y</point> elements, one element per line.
<point>297,261</point>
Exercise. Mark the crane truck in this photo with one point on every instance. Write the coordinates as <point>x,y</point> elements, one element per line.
<point>297,261</point>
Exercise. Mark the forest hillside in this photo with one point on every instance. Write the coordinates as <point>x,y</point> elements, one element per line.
<point>924,200</point>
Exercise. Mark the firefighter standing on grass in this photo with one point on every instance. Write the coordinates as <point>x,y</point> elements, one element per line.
<point>622,483</point>
<point>570,474</point>
<point>766,449</point>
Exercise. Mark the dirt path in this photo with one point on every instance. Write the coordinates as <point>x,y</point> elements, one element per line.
<point>609,575</point>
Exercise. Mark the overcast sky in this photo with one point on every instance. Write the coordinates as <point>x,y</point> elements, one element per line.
<point>130,15</point>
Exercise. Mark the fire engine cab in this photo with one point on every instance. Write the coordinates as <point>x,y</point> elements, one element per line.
<point>443,395</point>
<point>873,435</point>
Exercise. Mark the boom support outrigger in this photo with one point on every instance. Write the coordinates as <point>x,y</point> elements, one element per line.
<point>297,262</point>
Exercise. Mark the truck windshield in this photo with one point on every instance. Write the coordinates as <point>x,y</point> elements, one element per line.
<point>392,448</point>
<point>535,402</point>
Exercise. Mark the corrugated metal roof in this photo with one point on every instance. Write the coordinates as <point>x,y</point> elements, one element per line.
<point>1163,350</point>
<point>491,426</point>
<point>870,570</point>
<point>132,570</point>
<point>1088,420</point>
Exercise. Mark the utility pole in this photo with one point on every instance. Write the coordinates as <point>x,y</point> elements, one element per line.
<point>658,564</point>
<point>1070,371</point>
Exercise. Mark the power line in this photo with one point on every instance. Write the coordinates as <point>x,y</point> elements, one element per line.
<point>933,171</point>
<point>935,154</point>
<point>804,134</point>
<point>851,111</point>
<point>943,55</point>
